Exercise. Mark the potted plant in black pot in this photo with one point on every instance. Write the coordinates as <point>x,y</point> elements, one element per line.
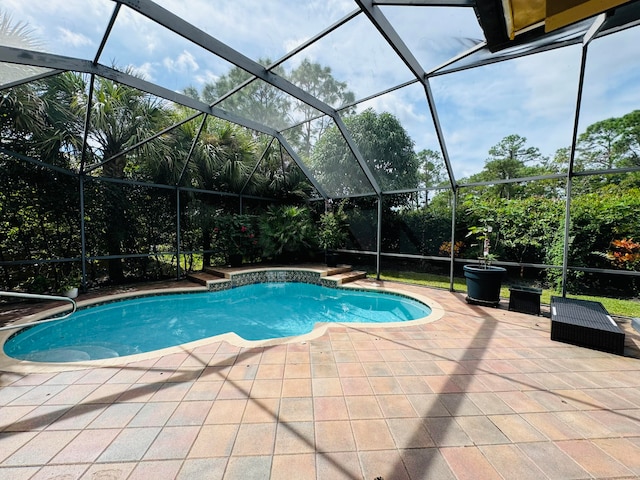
<point>332,233</point>
<point>483,279</point>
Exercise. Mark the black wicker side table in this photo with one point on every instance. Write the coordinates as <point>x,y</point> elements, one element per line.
<point>525,299</point>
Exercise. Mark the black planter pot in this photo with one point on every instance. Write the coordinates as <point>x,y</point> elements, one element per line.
<point>235,260</point>
<point>331,258</point>
<point>483,284</point>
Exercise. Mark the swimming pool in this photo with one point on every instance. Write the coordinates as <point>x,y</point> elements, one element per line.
<point>253,312</point>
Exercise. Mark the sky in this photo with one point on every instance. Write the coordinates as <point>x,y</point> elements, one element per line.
<point>534,96</point>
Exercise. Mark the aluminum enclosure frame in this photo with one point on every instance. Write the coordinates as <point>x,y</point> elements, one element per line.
<point>586,32</point>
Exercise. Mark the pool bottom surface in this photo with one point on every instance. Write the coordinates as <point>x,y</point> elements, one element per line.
<point>254,312</point>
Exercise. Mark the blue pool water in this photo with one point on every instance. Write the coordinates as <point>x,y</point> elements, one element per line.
<point>254,312</point>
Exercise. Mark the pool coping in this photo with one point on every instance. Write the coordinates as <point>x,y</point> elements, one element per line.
<point>10,364</point>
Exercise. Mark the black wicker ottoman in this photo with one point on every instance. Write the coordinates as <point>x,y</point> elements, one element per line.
<point>586,324</point>
<point>525,299</point>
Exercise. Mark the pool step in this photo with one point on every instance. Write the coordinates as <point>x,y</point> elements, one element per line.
<point>211,275</point>
<point>204,278</point>
<point>346,277</point>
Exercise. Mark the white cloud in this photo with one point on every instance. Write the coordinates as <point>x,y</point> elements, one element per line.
<point>206,77</point>
<point>185,62</point>
<point>145,71</point>
<point>74,39</point>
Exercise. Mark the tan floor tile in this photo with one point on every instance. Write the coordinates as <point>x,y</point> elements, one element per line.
<point>338,465</point>
<point>40,449</point>
<point>372,435</point>
<point>511,462</point>
<point>481,430</point>
<point>330,408</point>
<point>235,389</point>
<point>326,387</point>
<point>86,447</point>
<point>286,467</point>
<point>204,391</point>
<point>360,407</point>
<point>172,443</point>
<point>250,467</point>
<point>446,432</point>
<point>270,371</point>
<point>442,384</point>
<point>409,433</point>
<point>413,384</point>
<point>426,463</point>
<point>334,436</point>
<point>428,405</point>
<point>489,403</point>
<point>296,409</point>
<point>345,356</point>
<point>155,469</point>
<point>297,370</point>
<point>480,376</point>
<point>552,461</point>
<point>585,424</point>
<point>396,406</point>
<point>350,369</point>
<point>517,429</point>
<point>266,388</point>
<point>377,369</point>
<point>226,411</point>
<point>383,464</point>
<point>255,439</point>
<point>214,441</point>
<point>519,402</point>
<point>551,426</point>
<point>295,437</point>
<point>469,463</point>
<point>298,357</point>
<point>617,422</point>
<point>593,459</point>
<point>324,370</point>
<point>190,413</point>
<point>385,385</point>
<point>261,410</point>
<point>624,451</point>
<point>356,386</point>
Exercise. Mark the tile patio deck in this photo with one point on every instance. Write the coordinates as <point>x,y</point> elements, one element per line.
<point>481,393</point>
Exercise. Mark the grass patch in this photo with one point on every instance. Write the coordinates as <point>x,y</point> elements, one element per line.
<point>615,306</point>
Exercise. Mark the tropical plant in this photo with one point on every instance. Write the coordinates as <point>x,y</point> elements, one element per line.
<point>623,253</point>
<point>483,234</point>
<point>445,248</point>
<point>332,228</point>
<point>236,235</point>
<point>286,230</point>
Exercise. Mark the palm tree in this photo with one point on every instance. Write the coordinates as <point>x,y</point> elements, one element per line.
<point>121,117</point>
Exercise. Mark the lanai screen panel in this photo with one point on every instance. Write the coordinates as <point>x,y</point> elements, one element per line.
<point>611,104</point>
<point>258,29</point>
<point>480,107</point>
<point>569,35</point>
<point>10,73</point>
<point>268,105</point>
<point>154,53</point>
<point>357,55</point>
<point>435,35</point>
<point>333,164</point>
<point>410,113</point>
<point>72,28</point>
